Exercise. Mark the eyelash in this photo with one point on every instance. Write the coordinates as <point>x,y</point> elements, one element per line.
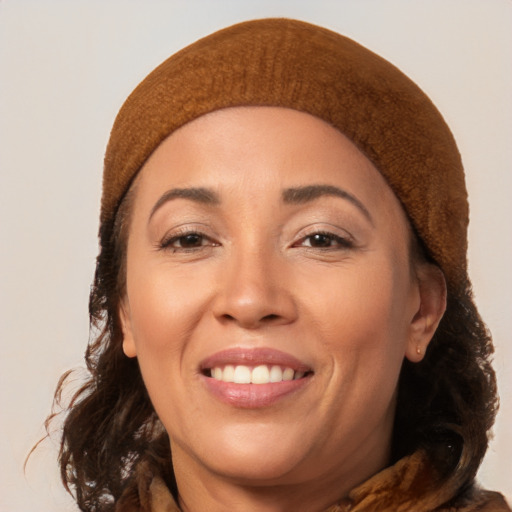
<point>331,238</point>
<point>342,242</point>
<point>167,243</point>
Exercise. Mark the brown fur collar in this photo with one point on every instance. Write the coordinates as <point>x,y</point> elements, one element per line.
<point>405,487</point>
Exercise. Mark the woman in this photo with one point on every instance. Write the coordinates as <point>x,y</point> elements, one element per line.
<point>284,314</point>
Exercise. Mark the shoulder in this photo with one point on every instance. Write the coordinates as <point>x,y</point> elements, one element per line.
<point>146,492</point>
<point>410,485</point>
<point>478,500</point>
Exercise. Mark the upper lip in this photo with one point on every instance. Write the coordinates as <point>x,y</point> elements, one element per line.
<point>254,357</point>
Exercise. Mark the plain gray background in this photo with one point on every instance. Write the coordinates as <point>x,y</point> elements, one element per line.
<point>65,69</point>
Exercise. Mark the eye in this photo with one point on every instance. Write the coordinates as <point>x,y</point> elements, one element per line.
<point>323,240</point>
<point>187,241</point>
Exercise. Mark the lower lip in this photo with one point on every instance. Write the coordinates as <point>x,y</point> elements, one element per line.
<point>253,396</point>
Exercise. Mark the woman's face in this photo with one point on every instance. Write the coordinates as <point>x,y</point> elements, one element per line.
<point>264,247</point>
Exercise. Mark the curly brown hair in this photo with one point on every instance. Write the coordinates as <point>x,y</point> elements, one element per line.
<point>446,404</point>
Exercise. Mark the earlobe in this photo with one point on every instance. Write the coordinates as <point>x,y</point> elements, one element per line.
<point>432,291</point>
<point>129,348</point>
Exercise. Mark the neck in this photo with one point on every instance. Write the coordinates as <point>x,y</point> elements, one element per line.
<point>227,495</point>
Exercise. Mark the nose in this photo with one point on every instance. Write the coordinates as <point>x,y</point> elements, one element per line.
<point>254,291</point>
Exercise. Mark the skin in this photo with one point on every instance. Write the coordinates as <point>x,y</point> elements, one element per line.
<point>348,303</point>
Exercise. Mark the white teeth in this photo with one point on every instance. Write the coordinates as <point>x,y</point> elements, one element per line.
<point>242,375</point>
<point>228,375</point>
<point>276,374</point>
<point>261,374</point>
<point>288,374</point>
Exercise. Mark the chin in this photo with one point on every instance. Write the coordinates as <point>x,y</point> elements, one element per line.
<point>252,455</point>
<point>261,469</point>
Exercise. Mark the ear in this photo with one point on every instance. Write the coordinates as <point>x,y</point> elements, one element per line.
<point>129,348</point>
<point>432,291</point>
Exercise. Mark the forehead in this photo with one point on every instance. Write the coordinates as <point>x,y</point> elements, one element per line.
<point>283,142</point>
<point>260,151</point>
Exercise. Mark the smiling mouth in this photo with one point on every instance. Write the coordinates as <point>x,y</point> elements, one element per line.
<point>261,374</point>
<point>254,378</point>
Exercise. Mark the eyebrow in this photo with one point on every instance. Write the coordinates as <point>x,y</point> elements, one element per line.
<point>199,195</point>
<point>308,193</point>
<point>296,195</point>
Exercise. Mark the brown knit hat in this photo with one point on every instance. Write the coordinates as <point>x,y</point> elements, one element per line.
<point>288,63</point>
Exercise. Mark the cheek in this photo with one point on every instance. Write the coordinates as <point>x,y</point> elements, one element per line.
<point>163,317</point>
<point>163,309</point>
<point>168,306</point>
<point>363,321</point>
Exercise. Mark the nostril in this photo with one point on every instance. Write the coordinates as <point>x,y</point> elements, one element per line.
<point>251,321</point>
